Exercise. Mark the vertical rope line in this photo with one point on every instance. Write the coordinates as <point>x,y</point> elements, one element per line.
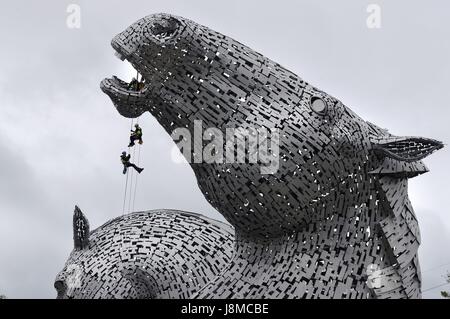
<point>138,164</point>
<point>136,180</point>
<point>133,173</point>
<point>126,180</point>
<point>125,195</point>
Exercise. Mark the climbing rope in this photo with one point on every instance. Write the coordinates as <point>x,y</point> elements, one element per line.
<point>125,195</point>
<point>126,179</point>
<point>131,174</point>
<point>136,180</point>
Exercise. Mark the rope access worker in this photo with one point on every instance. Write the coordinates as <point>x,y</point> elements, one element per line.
<point>126,163</point>
<point>141,84</point>
<point>136,135</point>
<point>136,85</point>
<point>133,85</point>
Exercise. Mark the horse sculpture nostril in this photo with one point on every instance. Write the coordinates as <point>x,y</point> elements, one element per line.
<point>164,26</point>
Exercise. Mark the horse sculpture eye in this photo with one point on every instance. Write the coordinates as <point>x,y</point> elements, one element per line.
<point>319,106</point>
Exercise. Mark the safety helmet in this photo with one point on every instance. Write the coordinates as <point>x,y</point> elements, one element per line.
<point>124,153</point>
<point>136,125</point>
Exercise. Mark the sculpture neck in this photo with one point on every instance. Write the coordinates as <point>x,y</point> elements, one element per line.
<point>337,251</point>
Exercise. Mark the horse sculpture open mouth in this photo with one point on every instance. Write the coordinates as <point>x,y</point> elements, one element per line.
<point>131,101</point>
<point>125,91</point>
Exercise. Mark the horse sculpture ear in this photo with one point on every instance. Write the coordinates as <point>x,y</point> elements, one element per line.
<point>407,149</point>
<point>80,229</point>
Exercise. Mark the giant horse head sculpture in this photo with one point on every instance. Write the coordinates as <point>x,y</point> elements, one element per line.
<point>334,205</point>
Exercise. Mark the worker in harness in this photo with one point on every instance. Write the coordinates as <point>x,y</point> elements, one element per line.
<point>136,85</point>
<point>126,163</point>
<point>136,135</point>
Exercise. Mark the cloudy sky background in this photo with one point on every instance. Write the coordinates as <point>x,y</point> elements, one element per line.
<point>60,137</point>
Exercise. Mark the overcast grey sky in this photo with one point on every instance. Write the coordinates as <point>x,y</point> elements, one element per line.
<point>60,136</point>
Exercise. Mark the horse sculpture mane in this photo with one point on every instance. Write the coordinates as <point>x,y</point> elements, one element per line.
<point>332,218</point>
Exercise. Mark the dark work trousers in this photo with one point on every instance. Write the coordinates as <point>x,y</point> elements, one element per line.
<point>135,138</point>
<point>126,165</point>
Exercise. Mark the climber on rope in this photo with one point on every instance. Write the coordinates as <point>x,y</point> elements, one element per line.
<point>141,84</point>
<point>136,85</point>
<point>136,135</point>
<point>133,85</point>
<point>126,163</point>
